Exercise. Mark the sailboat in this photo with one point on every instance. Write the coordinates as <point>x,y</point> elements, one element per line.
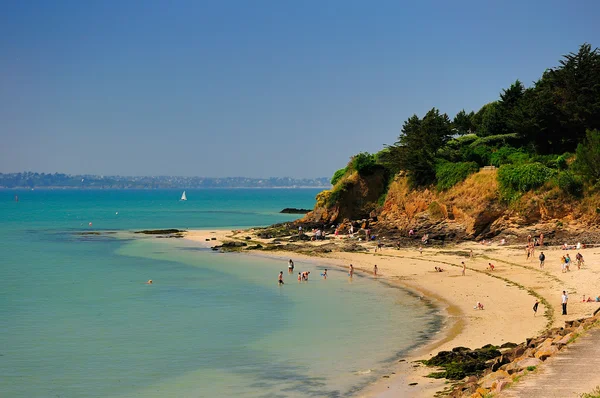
<point>183,197</point>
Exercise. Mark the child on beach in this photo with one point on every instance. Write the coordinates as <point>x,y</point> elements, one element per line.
<point>464,268</point>
<point>299,277</point>
<point>375,270</point>
<point>324,274</point>
<point>491,266</point>
<point>351,271</point>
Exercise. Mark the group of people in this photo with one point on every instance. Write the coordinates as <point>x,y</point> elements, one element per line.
<point>303,276</point>
<point>566,262</point>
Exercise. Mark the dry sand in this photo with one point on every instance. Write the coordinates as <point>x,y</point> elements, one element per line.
<point>507,293</point>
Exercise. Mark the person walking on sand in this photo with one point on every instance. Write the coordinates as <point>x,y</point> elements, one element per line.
<point>535,307</point>
<point>464,268</point>
<point>280,281</point>
<point>565,299</point>
<point>579,260</point>
<point>542,259</point>
<point>351,271</point>
<point>375,270</point>
<point>471,254</point>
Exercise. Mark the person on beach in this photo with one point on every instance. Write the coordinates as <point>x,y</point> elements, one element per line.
<point>541,239</point>
<point>351,271</point>
<point>300,230</point>
<point>567,262</point>
<point>542,259</point>
<point>375,270</point>
<point>464,269</point>
<point>439,269</point>
<point>280,281</point>
<point>324,274</point>
<point>579,260</point>
<point>535,307</point>
<point>565,299</point>
<point>479,306</point>
<point>421,250</point>
<point>491,266</point>
<point>471,254</point>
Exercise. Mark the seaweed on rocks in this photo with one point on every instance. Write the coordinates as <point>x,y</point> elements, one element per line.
<point>462,362</point>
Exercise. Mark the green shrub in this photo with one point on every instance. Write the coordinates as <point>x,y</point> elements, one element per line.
<point>337,175</point>
<point>561,161</point>
<point>531,368</point>
<point>364,163</point>
<point>495,140</point>
<point>449,174</point>
<point>520,178</point>
<point>480,154</point>
<point>570,184</point>
<point>507,155</point>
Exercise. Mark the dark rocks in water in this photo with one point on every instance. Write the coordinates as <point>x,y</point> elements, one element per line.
<point>230,246</point>
<point>89,233</point>
<point>258,246</point>
<point>160,231</point>
<point>213,238</point>
<point>293,210</point>
<point>299,237</point>
<point>234,244</point>
<point>508,345</point>
<point>464,362</point>
<point>207,239</point>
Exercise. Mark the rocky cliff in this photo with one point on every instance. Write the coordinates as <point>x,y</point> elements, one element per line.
<point>472,209</point>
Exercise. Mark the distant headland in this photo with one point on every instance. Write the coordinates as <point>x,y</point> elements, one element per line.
<point>29,180</point>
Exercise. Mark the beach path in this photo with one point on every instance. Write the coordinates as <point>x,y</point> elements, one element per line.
<point>574,371</point>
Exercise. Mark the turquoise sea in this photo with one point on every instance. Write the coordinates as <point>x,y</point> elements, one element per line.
<point>77,320</point>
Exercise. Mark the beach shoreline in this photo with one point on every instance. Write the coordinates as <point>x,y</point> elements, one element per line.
<point>507,293</point>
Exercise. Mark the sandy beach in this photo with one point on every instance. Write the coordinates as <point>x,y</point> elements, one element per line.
<point>507,293</point>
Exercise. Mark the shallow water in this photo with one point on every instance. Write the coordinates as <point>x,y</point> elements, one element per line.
<point>77,319</point>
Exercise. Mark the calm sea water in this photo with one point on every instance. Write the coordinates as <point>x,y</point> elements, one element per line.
<point>77,320</point>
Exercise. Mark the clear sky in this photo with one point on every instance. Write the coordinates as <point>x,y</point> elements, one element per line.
<point>255,88</point>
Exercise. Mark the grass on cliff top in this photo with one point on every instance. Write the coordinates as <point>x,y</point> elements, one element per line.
<point>593,394</point>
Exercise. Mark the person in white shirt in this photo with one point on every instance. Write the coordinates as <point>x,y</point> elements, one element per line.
<point>565,299</point>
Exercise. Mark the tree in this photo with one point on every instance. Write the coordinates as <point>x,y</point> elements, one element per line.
<point>417,146</point>
<point>588,157</point>
<point>463,122</point>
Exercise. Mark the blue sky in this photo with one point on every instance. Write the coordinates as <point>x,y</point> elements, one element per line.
<point>255,88</point>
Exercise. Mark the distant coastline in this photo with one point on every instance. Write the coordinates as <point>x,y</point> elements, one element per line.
<point>29,180</point>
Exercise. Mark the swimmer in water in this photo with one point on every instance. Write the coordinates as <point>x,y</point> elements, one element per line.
<point>280,277</point>
<point>299,277</point>
<point>325,274</point>
<point>149,282</point>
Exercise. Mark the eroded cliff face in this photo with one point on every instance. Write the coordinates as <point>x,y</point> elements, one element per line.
<point>355,197</point>
<point>470,210</point>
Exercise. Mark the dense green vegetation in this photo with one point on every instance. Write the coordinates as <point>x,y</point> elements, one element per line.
<point>544,135</point>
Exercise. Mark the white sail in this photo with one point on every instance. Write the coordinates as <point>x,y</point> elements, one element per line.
<point>183,197</point>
